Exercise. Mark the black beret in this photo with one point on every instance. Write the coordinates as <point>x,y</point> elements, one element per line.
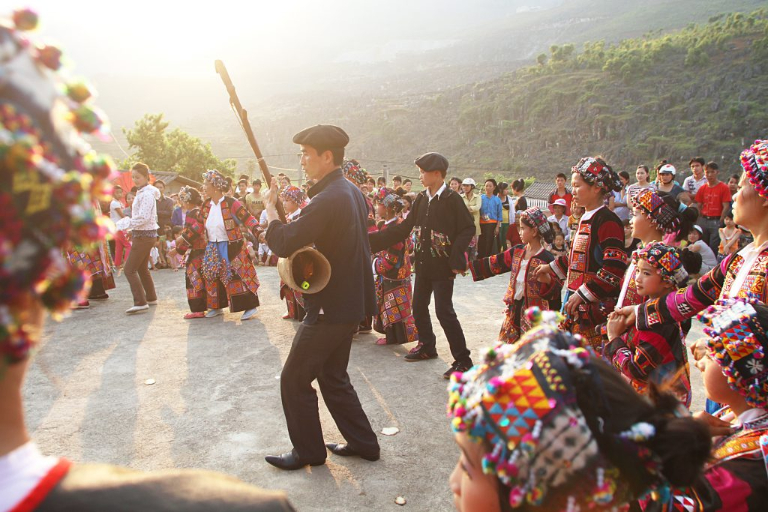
<point>325,136</point>
<point>432,162</point>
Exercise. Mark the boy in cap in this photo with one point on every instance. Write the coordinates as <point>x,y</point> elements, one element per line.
<point>335,222</point>
<point>442,228</point>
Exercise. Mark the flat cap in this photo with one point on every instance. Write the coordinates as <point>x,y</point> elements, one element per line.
<point>432,162</point>
<point>324,136</point>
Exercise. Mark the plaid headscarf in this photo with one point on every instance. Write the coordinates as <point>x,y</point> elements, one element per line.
<point>596,172</point>
<point>754,160</point>
<point>49,181</point>
<point>666,260</point>
<point>521,401</point>
<point>216,179</point>
<point>354,172</point>
<point>737,342</point>
<point>389,199</point>
<point>295,194</point>
<point>657,210</point>
<point>536,218</point>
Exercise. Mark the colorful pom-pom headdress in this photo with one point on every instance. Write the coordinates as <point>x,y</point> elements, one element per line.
<point>390,199</point>
<point>354,172</point>
<point>596,172</point>
<point>666,260</point>
<point>653,206</point>
<point>218,180</point>
<point>49,179</point>
<point>536,218</point>
<point>521,403</point>
<point>737,341</point>
<point>754,160</point>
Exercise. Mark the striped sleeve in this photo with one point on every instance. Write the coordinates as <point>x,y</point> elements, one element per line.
<point>612,263</point>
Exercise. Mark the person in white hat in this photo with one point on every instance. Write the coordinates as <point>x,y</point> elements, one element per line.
<point>473,203</point>
<point>559,206</point>
<point>666,180</point>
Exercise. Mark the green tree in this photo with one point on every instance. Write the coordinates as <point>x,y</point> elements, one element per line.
<point>174,151</point>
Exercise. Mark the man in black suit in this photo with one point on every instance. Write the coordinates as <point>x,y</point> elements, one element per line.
<point>335,222</point>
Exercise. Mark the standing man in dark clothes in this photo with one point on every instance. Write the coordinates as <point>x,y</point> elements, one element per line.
<point>335,222</point>
<point>443,228</point>
<point>164,208</point>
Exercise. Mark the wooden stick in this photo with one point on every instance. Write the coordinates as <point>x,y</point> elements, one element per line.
<point>246,125</point>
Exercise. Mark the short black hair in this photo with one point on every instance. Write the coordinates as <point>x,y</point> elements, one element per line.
<point>407,180</point>
<point>159,182</point>
<point>624,174</point>
<point>713,166</point>
<point>117,187</point>
<point>643,167</point>
<point>256,182</point>
<point>243,177</point>
<point>338,154</point>
<point>736,177</point>
<point>561,175</point>
<point>697,159</point>
<point>398,178</point>
<point>381,179</point>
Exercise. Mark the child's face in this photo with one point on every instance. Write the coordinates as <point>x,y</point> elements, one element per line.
<point>729,222</point>
<point>472,489</point>
<point>694,236</point>
<point>527,233</point>
<point>559,210</point>
<point>559,240</point>
<point>381,210</point>
<point>641,226</point>
<point>648,280</point>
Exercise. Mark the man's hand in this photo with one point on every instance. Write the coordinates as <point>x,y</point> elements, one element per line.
<point>269,196</point>
<point>572,306</point>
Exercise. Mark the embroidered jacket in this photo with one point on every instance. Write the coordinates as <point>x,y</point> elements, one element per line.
<point>394,263</point>
<point>234,214</point>
<point>598,259</point>
<point>535,294</point>
<point>193,235</point>
<point>686,302</point>
<point>442,229</point>
<point>736,481</point>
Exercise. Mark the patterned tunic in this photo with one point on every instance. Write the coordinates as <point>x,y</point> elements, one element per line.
<point>594,271</point>
<point>194,240</point>
<point>393,292</point>
<point>718,283</point>
<point>97,263</point>
<point>235,284</point>
<point>536,293</point>
<point>294,301</point>
<point>735,482</point>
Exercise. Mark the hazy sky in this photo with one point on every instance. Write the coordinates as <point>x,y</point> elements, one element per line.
<point>161,37</point>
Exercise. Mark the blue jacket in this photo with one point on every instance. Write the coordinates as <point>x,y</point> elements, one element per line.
<point>335,221</point>
<point>490,207</point>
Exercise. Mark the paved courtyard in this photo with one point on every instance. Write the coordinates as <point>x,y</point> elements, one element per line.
<point>155,391</point>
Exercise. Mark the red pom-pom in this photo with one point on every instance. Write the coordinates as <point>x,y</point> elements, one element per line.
<point>49,56</point>
<point>87,119</point>
<point>79,92</point>
<point>25,19</point>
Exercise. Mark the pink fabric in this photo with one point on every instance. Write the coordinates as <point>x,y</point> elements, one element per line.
<point>121,244</point>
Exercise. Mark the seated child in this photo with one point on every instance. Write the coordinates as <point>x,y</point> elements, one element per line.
<point>656,355</point>
<point>558,247</point>
<point>735,373</point>
<point>545,424</point>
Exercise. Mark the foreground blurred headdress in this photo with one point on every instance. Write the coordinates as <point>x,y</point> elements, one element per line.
<point>754,160</point>
<point>49,178</point>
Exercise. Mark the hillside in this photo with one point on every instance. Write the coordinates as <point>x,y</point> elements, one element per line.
<point>698,91</point>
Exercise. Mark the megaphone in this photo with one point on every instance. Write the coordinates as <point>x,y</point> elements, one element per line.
<point>305,271</point>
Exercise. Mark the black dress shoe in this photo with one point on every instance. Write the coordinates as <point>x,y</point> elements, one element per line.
<point>344,450</point>
<point>290,461</point>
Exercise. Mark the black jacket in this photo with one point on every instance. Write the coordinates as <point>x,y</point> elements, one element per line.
<point>442,230</point>
<point>335,222</point>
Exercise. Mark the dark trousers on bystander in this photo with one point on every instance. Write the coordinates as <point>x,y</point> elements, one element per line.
<point>321,351</point>
<point>137,270</point>
<point>443,289</point>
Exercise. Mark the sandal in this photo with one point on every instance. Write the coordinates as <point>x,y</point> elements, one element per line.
<point>381,341</point>
<point>190,316</point>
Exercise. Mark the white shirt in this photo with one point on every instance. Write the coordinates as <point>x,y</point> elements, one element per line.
<point>520,280</point>
<point>692,185</point>
<point>563,223</point>
<point>750,254</point>
<point>708,258</point>
<point>214,224</point>
<point>439,191</point>
<point>113,207</point>
<point>144,209</point>
<point>20,472</point>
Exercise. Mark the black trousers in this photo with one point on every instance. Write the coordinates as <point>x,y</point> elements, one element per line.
<point>321,351</point>
<point>423,289</point>
<point>485,243</point>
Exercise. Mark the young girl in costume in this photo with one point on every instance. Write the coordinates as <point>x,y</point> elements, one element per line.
<point>735,373</point>
<point>392,277</point>
<point>598,259</point>
<point>192,241</point>
<point>545,424</point>
<point>524,290</point>
<point>293,199</point>
<point>656,355</point>
<point>654,215</point>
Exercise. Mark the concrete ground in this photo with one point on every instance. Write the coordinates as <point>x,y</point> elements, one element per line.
<point>215,401</point>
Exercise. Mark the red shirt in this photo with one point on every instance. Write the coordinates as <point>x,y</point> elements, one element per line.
<point>568,198</point>
<point>712,198</point>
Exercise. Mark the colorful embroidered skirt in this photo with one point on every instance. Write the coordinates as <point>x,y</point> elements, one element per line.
<point>395,319</point>
<point>196,297</point>
<point>232,274</point>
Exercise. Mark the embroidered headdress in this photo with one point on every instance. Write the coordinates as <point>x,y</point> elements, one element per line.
<point>354,172</point>
<point>49,179</point>
<point>596,172</point>
<point>737,342</point>
<point>536,218</point>
<point>218,180</point>
<point>653,206</point>
<point>522,403</point>
<point>754,160</point>
<point>389,199</point>
<point>666,260</point>
<point>295,194</point>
